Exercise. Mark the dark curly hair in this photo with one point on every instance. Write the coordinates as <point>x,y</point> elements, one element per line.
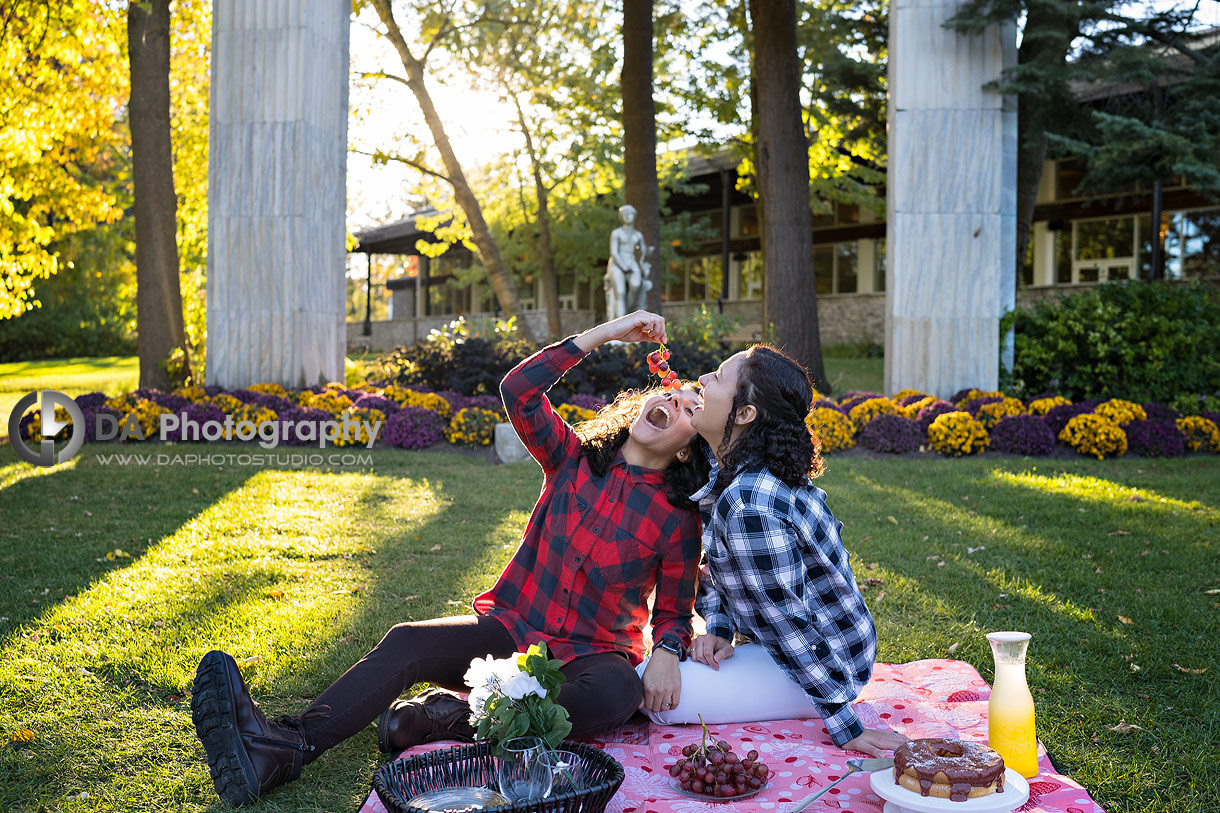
<point>781,392</point>
<point>602,436</point>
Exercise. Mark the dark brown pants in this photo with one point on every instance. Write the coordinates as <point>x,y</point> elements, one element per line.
<point>600,691</point>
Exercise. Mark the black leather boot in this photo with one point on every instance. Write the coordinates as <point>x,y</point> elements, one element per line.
<point>434,715</point>
<point>248,754</point>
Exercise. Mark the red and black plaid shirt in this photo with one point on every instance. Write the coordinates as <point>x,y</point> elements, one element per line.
<point>595,547</point>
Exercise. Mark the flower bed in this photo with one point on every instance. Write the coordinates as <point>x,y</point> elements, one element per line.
<point>417,418</point>
<point>975,420</point>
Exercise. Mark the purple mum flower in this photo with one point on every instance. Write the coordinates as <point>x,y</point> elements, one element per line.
<point>458,402</point>
<point>973,406</point>
<point>376,402</point>
<point>1214,417</point>
<point>1159,412</point>
<point>824,404</point>
<point>195,415</point>
<point>91,414</point>
<point>890,433</point>
<point>1023,435</point>
<point>299,416</point>
<point>1057,417</point>
<point>174,403</point>
<point>212,390</point>
<point>585,401</point>
<point>962,393</point>
<point>1155,437</point>
<point>412,428</point>
<point>910,399</point>
<point>91,400</point>
<point>931,412</point>
<point>852,399</point>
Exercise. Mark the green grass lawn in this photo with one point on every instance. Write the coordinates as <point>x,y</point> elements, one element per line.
<point>1111,565</point>
<point>76,376</point>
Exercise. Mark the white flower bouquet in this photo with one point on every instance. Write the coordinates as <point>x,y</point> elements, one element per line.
<point>515,697</point>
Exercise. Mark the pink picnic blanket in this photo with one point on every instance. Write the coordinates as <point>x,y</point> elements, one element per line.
<point>932,698</point>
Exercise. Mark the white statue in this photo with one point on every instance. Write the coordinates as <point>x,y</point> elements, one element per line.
<point>627,283</point>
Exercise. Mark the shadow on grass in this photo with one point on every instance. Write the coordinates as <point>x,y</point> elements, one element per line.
<point>267,596</point>
<point>1112,590</point>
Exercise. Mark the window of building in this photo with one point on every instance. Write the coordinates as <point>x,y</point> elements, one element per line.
<point>1104,249</point>
<point>748,222</point>
<point>879,266</point>
<point>1068,175</point>
<point>1027,265</point>
<point>834,267</point>
<point>703,275</point>
<point>749,276</point>
<point>824,268</point>
<point>846,261</point>
<point>1192,244</point>
<point>694,279</point>
<point>1063,256</point>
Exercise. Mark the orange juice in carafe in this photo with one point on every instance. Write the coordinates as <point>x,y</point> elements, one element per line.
<point>1010,712</point>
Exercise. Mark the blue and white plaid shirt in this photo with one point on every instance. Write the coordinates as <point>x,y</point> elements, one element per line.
<point>778,574</point>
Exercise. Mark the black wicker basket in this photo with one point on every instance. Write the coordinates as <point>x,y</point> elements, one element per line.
<point>399,781</point>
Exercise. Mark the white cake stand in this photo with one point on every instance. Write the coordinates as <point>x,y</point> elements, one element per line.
<point>900,800</point>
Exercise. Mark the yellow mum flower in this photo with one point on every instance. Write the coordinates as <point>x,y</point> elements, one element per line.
<point>472,427</point>
<point>1120,411</point>
<point>192,394</point>
<point>1041,406</point>
<point>865,411</point>
<point>912,409</point>
<point>836,430</point>
<point>574,414</point>
<point>1201,434</point>
<point>974,395</point>
<point>269,389</point>
<point>958,433</point>
<point>1096,435</point>
<point>907,393</point>
<point>991,414</point>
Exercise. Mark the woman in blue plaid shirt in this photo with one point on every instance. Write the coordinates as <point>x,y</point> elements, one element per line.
<point>776,570</point>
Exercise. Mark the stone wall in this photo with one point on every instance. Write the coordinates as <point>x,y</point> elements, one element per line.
<point>841,318</point>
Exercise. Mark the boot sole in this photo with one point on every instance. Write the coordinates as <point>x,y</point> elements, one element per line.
<point>233,774</point>
<point>383,736</point>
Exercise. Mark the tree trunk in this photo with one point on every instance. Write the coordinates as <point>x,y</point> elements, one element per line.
<point>158,295</point>
<point>1031,153</point>
<point>485,244</point>
<point>1056,27</point>
<point>546,263</point>
<point>640,136</point>
<point>790,307</point>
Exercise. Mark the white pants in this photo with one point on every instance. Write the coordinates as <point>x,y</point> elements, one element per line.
<point>749,687</point>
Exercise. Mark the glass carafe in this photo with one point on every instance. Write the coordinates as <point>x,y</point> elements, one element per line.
<point>1010,712</point>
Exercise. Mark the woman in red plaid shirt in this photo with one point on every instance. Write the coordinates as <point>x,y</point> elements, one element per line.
<point>613,525</point>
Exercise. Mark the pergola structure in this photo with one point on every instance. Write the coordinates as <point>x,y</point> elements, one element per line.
<point>277,154</point>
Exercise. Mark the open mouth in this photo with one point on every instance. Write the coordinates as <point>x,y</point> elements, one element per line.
<point>657,417</point>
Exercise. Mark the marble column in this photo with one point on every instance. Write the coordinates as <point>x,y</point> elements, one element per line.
<point>951,201</point>
<point>277,192</point>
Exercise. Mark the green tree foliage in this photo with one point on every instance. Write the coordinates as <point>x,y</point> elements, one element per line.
<point>1137,340</point>
<point>843,48</point>
<point>81,111</point>
<point>60,137</point>
<point>1131,90</point>
<point>88,305</point>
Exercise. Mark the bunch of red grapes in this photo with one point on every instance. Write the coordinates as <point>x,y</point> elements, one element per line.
<point>715,770</point>
<point>658,364</point>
